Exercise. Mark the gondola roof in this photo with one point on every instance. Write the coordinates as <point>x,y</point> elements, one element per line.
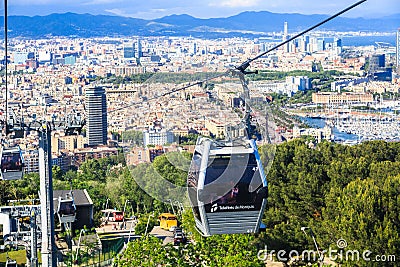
<point>230,150</point>
<point>226,148</point>
<point>81,197</point>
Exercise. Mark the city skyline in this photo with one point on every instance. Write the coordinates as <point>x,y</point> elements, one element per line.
<point>199,9</point>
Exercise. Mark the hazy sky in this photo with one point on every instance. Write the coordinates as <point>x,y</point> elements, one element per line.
<point>150,9</point>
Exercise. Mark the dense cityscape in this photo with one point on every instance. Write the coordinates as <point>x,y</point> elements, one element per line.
<point>329,113</point>
<point>51,76</point>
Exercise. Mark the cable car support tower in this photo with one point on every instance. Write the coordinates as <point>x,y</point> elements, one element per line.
<point>14,127</point>
<point>71,125</point>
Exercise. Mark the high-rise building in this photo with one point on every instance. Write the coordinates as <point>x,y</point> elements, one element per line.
<point>194,49</point>
<point>129,50</point>
<point>285,31</point>
<point>96,115</point>
<point>138,49</point>
<point>376,62</point>
<point>285,37</point>
<point>313,44</point>
<point>337,45</point>
<point>320,44</point>
<point>302,45</point>
<point>398,50</point>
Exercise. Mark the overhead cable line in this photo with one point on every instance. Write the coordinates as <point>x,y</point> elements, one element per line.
<point>242,67</point>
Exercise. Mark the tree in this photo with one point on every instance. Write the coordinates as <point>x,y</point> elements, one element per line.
<point>135,137</point>
<point>141,226</point>
<point>220,250</point>
<point>57,173</point>
<point>146,252</point>
<point>349,192</point>
<point>366,216</point>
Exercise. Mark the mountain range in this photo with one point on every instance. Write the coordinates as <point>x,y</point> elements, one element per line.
<point>246,23</point>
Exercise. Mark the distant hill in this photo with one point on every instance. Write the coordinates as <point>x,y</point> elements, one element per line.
<point>246,23</point>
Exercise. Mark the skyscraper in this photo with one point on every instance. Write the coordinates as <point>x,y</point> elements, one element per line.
<point>138,49</point>
<point>320,44</point>
<point>398,50</point>
<point>194,49</point>
<point>129,50</point>
<point>96,109</point>
<point>285,31</point>
<point>285,37</point>
<point>337,45</point>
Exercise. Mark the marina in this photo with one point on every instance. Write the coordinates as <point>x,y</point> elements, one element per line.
<point>358,127</point>
<point>370,127</point>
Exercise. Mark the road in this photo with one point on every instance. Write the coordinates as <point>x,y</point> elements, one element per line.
<point>128,231</point>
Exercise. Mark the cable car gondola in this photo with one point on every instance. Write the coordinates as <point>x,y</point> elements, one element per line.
<point>227,187</point>
<point>11,263</point>
<point>66,209</point>
<point>12,163</point>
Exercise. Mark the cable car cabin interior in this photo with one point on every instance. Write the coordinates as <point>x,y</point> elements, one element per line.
<point>227,187</point>
<point>66,210</point>
<point>12,163</point>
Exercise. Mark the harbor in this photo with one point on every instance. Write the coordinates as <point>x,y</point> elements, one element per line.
<point>356,127</point>
<point>370,127</point>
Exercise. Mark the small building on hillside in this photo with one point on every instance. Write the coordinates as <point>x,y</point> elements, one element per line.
<point>83,203</point>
